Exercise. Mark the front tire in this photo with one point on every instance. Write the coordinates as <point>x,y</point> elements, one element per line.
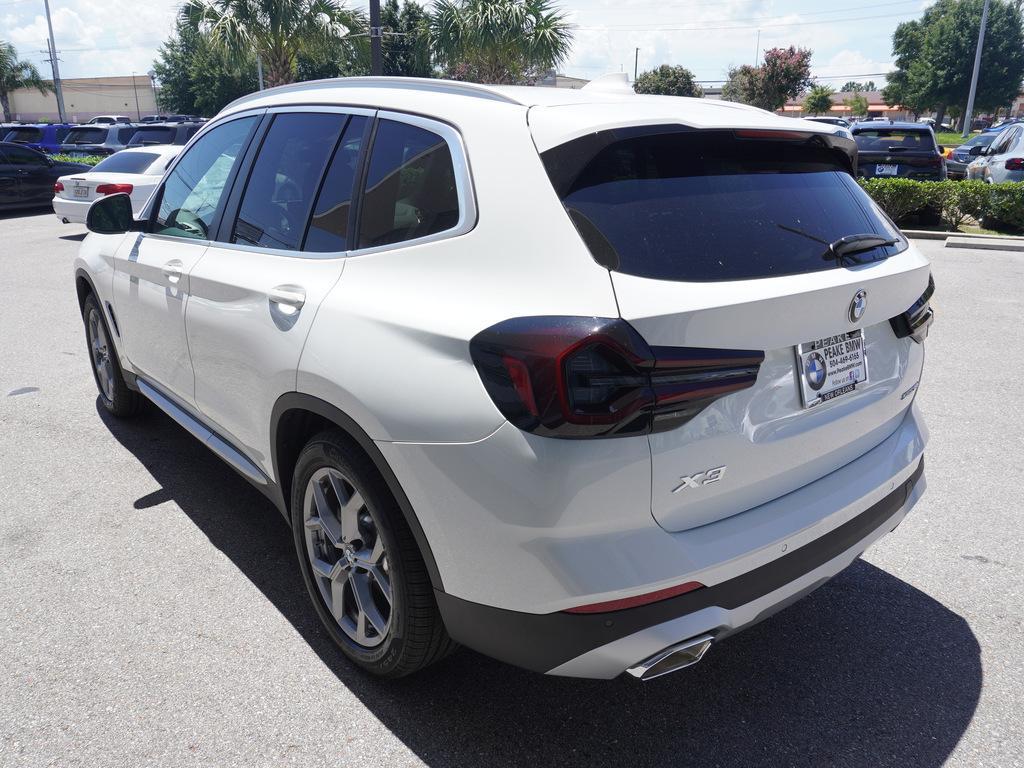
<point>360,562</point>
<point>115,395</point>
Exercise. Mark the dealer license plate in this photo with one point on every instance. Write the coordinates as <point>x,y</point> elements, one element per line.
<point>831,367</point>
<point>81,191</point>
<point>887,170</point>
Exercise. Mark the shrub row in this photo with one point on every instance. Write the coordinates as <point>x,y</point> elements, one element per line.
<point>1001,206</point>
<point>88,160</point>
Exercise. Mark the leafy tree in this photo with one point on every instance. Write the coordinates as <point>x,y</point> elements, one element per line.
<point>858,105</point>
<point>406,44</point>
<point>340,58</point>
<point>852,86</point>
<point>275,30</point>
<point>668,81</point>
<point>819,99</point>
<point>498,41</point>
<point>199,77</point>
<point>904,87</point>
<point>785,74</point>
<point>15,74</point>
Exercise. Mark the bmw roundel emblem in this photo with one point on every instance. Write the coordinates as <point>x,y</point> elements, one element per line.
<point>815,371</point>
<point>858,305</point>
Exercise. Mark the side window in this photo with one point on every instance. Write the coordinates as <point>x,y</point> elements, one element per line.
<point>25,157</point>
<point>61,133</point>
<point>328,228</point>
<point>410,186</point>
<point>278,197</point>
<point>124,135</point>
<point>194,188</point>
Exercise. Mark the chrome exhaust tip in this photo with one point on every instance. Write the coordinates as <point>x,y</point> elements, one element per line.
<point>675,657</point>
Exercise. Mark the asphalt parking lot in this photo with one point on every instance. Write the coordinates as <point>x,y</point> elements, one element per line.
<point>153,614</point>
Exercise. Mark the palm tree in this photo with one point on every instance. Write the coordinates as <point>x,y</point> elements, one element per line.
<point>16,74</point>
<point>498,41</point>
<point>276,30</point>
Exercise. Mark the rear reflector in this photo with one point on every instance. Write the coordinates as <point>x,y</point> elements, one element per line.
<point>633,602</point>
<point>113,189</point>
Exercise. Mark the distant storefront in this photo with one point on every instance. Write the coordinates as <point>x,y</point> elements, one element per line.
<point>86,97</point>
<point>876,107</point>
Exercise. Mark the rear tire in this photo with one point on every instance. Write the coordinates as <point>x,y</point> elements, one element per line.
<point>360,562</point>
<point>116,396</point>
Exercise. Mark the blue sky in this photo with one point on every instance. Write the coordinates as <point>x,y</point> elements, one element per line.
<point>850,40</point>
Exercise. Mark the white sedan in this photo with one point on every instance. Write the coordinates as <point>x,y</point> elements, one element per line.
<point>134,171</point>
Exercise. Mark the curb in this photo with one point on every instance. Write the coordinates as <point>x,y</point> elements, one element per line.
<point>927,234</point>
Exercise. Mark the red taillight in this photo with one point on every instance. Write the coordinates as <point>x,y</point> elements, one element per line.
<point>633,602</point>
<point>579,377</point>
<point>1015,164</point>
<point>113,189</point>
<point>58,187</point>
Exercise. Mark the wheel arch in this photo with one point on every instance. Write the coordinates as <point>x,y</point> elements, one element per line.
<point>297,417</point>
<point>83,287</point>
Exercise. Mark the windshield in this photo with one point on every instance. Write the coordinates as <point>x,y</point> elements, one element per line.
<point>705,205</point>
<point>128,162</point>
<point>86,136</point>
<point>893,140</point>
<point>984,139</point>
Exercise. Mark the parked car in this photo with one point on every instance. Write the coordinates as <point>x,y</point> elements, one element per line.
<point>184,119</point>
<point>45,137</point>
<point>595,444</point>
<point>931,121</point>
<point>905,150</point>
<point>956,164</point>
<point>997,127</point>
<point>154,119</point>
<point>134,172</point>
<point>163,133</point>
<point>109,120</point>
<point>829,120</point>
<point>1003,159</point>
<point>27,176</point>
<point>97,139</point>
<point>980,124</point>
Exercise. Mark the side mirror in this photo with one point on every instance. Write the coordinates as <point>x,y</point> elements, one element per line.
<point>111,215</point>
<point>941,149</point>
<point>976,150</point>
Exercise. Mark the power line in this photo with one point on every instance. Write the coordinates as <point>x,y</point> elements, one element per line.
<point>750,26</point>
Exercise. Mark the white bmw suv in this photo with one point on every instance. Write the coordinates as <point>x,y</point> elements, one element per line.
<point>584,380</point>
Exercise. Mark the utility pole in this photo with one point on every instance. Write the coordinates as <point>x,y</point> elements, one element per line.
<point>757,48</point>
<point>636,63</point>
<point>135,87</point>
<point>54,65</point>
<point>969,114</point>
<point>376,57</point>
<point>259,71</point>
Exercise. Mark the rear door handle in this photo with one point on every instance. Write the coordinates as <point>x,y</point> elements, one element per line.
<point>172,271</point>
<point>290,296</point>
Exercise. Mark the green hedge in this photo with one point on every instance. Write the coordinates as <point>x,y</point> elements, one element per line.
<point>87,160</point>
<point>950,203</point>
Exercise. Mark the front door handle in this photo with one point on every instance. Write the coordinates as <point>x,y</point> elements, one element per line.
<point>288,298</point>
<point>172,271</point>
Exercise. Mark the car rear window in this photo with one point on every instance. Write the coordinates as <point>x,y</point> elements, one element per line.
<point>712,206</point>
<point>25,135</point>
<point>153,135</point>
<point>127,162</point>
<point>86,136</point>
<point>893,139</point>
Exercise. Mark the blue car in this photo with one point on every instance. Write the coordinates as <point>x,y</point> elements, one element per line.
<point>44,137</point>
<point>1004,124</point>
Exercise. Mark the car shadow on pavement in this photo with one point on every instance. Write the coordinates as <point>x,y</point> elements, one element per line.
<point>866,671</point>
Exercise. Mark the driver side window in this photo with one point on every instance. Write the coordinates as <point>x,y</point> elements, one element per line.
<point>193,190</point>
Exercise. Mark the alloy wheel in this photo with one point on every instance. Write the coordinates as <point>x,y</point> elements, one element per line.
<point>100,346</point>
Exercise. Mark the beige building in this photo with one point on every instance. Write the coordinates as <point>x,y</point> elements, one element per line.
<point>86,97</point>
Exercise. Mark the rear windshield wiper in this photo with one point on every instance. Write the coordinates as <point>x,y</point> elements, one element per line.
<point>849,245</point>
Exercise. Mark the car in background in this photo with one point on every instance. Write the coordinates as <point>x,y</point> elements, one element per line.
<point>27,176</point>
<point>109,120</point>
<point>163,133</point>
<point>1002,124</point>
<point>97,139</point>
<point>45,137</point>
<point>830,120</point>
<point>931,121</point>
<point>135,172</point>
<point>898,150</point>
<point>961,157</point>
<point>1001,161</point>
<point>185,119</point>
<point>154,119</point>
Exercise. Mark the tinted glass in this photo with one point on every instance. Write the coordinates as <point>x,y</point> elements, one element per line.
<point>124,135</point>
<point>25,157</point>
<point>127,162</point>
<point>60,133</point>
<point>86,136</point>
<point>153,135</point>
<point>328,228</point>
<point>194,188</point>
<point>410,186</point>
<point>893,140</point>
<point>702,206</point>
<point>25,135</point>
<point>285,178</point>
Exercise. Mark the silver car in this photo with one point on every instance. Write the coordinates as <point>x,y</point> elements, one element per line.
<point>1003,160</point>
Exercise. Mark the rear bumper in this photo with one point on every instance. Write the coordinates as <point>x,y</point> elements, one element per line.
<point>71,211</point>
<point>604,645</point>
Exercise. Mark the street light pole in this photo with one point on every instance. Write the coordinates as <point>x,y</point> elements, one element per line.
<point>54,65</point>
<point>135,87</point>
<point>636,63</point>
<point>974,76</point>
<point>376,56</point>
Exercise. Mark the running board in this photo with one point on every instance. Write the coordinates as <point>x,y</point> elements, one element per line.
<point>204,434</point>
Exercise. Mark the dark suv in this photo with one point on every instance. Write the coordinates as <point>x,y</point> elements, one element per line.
<point>97,139</point>
<point>163,133</point>
<point>904,150</point>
